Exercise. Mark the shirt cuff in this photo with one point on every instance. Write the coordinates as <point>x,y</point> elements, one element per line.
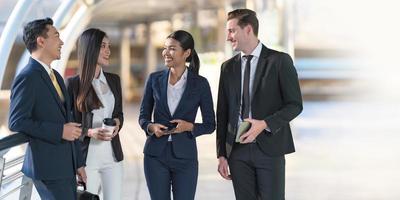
<point>148,131</point>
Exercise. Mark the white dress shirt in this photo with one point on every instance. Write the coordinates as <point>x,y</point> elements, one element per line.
<point>253,67</point>
<point>46,67</point>
<point>175,92</point>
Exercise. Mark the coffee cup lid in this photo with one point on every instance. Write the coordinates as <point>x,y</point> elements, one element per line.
<point>109,122</point>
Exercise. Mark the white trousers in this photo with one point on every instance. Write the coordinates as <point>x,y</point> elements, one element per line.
<point>107,180</point>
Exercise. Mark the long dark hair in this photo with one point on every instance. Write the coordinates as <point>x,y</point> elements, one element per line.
<point>89,44</point>
<point>187,42</point>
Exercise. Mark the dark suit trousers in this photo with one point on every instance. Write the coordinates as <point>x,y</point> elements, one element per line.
<point>256,176</point>
<point>167,170</point>
<point>64,189</point>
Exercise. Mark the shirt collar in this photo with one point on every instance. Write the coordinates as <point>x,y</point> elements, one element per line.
<point>182,79</point>
<point>46,67</point>
<point>101,78</point>
<point>184,75</point>
<point>256,52</point>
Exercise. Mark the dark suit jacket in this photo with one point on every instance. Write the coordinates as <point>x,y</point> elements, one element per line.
<point>36,110</point>
<point>197,94</point>
<point>114,83</point>
<point>276,98</point>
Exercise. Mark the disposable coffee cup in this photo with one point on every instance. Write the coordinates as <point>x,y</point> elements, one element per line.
<point>109,125</point>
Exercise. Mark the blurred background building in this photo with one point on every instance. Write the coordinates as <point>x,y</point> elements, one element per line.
<point>350,87</point>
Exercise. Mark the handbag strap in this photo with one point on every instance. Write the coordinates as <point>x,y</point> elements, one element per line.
<point>81,183</point>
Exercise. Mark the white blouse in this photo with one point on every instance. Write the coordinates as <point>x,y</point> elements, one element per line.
<point>100,152</point>
<point>175,92</point>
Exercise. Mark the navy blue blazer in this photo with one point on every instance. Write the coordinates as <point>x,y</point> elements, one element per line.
<point>37,111</point>
<point>155,106</point>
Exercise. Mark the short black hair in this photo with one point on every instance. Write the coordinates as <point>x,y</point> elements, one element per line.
<point>245,17</point>
<point>33,30</point>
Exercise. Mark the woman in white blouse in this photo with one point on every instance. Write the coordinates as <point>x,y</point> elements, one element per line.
<point>97,95</point>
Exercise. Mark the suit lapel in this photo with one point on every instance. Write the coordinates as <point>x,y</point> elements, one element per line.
<point>46,78</point>
<point>237,77</point>
<point>65,105</point>
<point>163,85</point>
<point>262,69</point>
<point>110,84</point>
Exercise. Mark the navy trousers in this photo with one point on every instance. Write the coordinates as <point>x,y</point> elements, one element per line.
<point>64,189</point>
<point>167,171</point>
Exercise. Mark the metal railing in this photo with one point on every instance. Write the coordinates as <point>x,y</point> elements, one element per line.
<point>26,185</point>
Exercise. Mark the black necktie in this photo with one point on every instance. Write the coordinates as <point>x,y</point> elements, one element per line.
<point>246,89</point>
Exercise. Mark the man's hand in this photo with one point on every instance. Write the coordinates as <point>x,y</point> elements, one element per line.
<point>257,126</point>
<point>71,131</point>
<point>182,126</point>
<point>99,134</point>
<point>157,129</point>
<point>81,173</point>
<point>223,168</point>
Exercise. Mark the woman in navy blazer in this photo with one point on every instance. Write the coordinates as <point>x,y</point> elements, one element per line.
<point>173,97</point>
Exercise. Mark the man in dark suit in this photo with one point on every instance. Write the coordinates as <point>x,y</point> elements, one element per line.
<point>40,108</point>
<point>259,86</point>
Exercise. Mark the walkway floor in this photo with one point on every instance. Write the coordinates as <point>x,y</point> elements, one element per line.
<point>337,158</point>
<point>344,151</point>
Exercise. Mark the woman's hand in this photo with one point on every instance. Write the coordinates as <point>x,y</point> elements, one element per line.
<point>182,126</point>
<point>157,129</point>
<point>81,175</point>
<point>117,126</point>
<point>115,132</point>
<point>99,134</point>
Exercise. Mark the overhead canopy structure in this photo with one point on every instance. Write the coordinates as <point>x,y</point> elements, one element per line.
<point>72,16</point>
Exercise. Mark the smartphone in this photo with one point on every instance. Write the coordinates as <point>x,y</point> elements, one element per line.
<point>170,128</point>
